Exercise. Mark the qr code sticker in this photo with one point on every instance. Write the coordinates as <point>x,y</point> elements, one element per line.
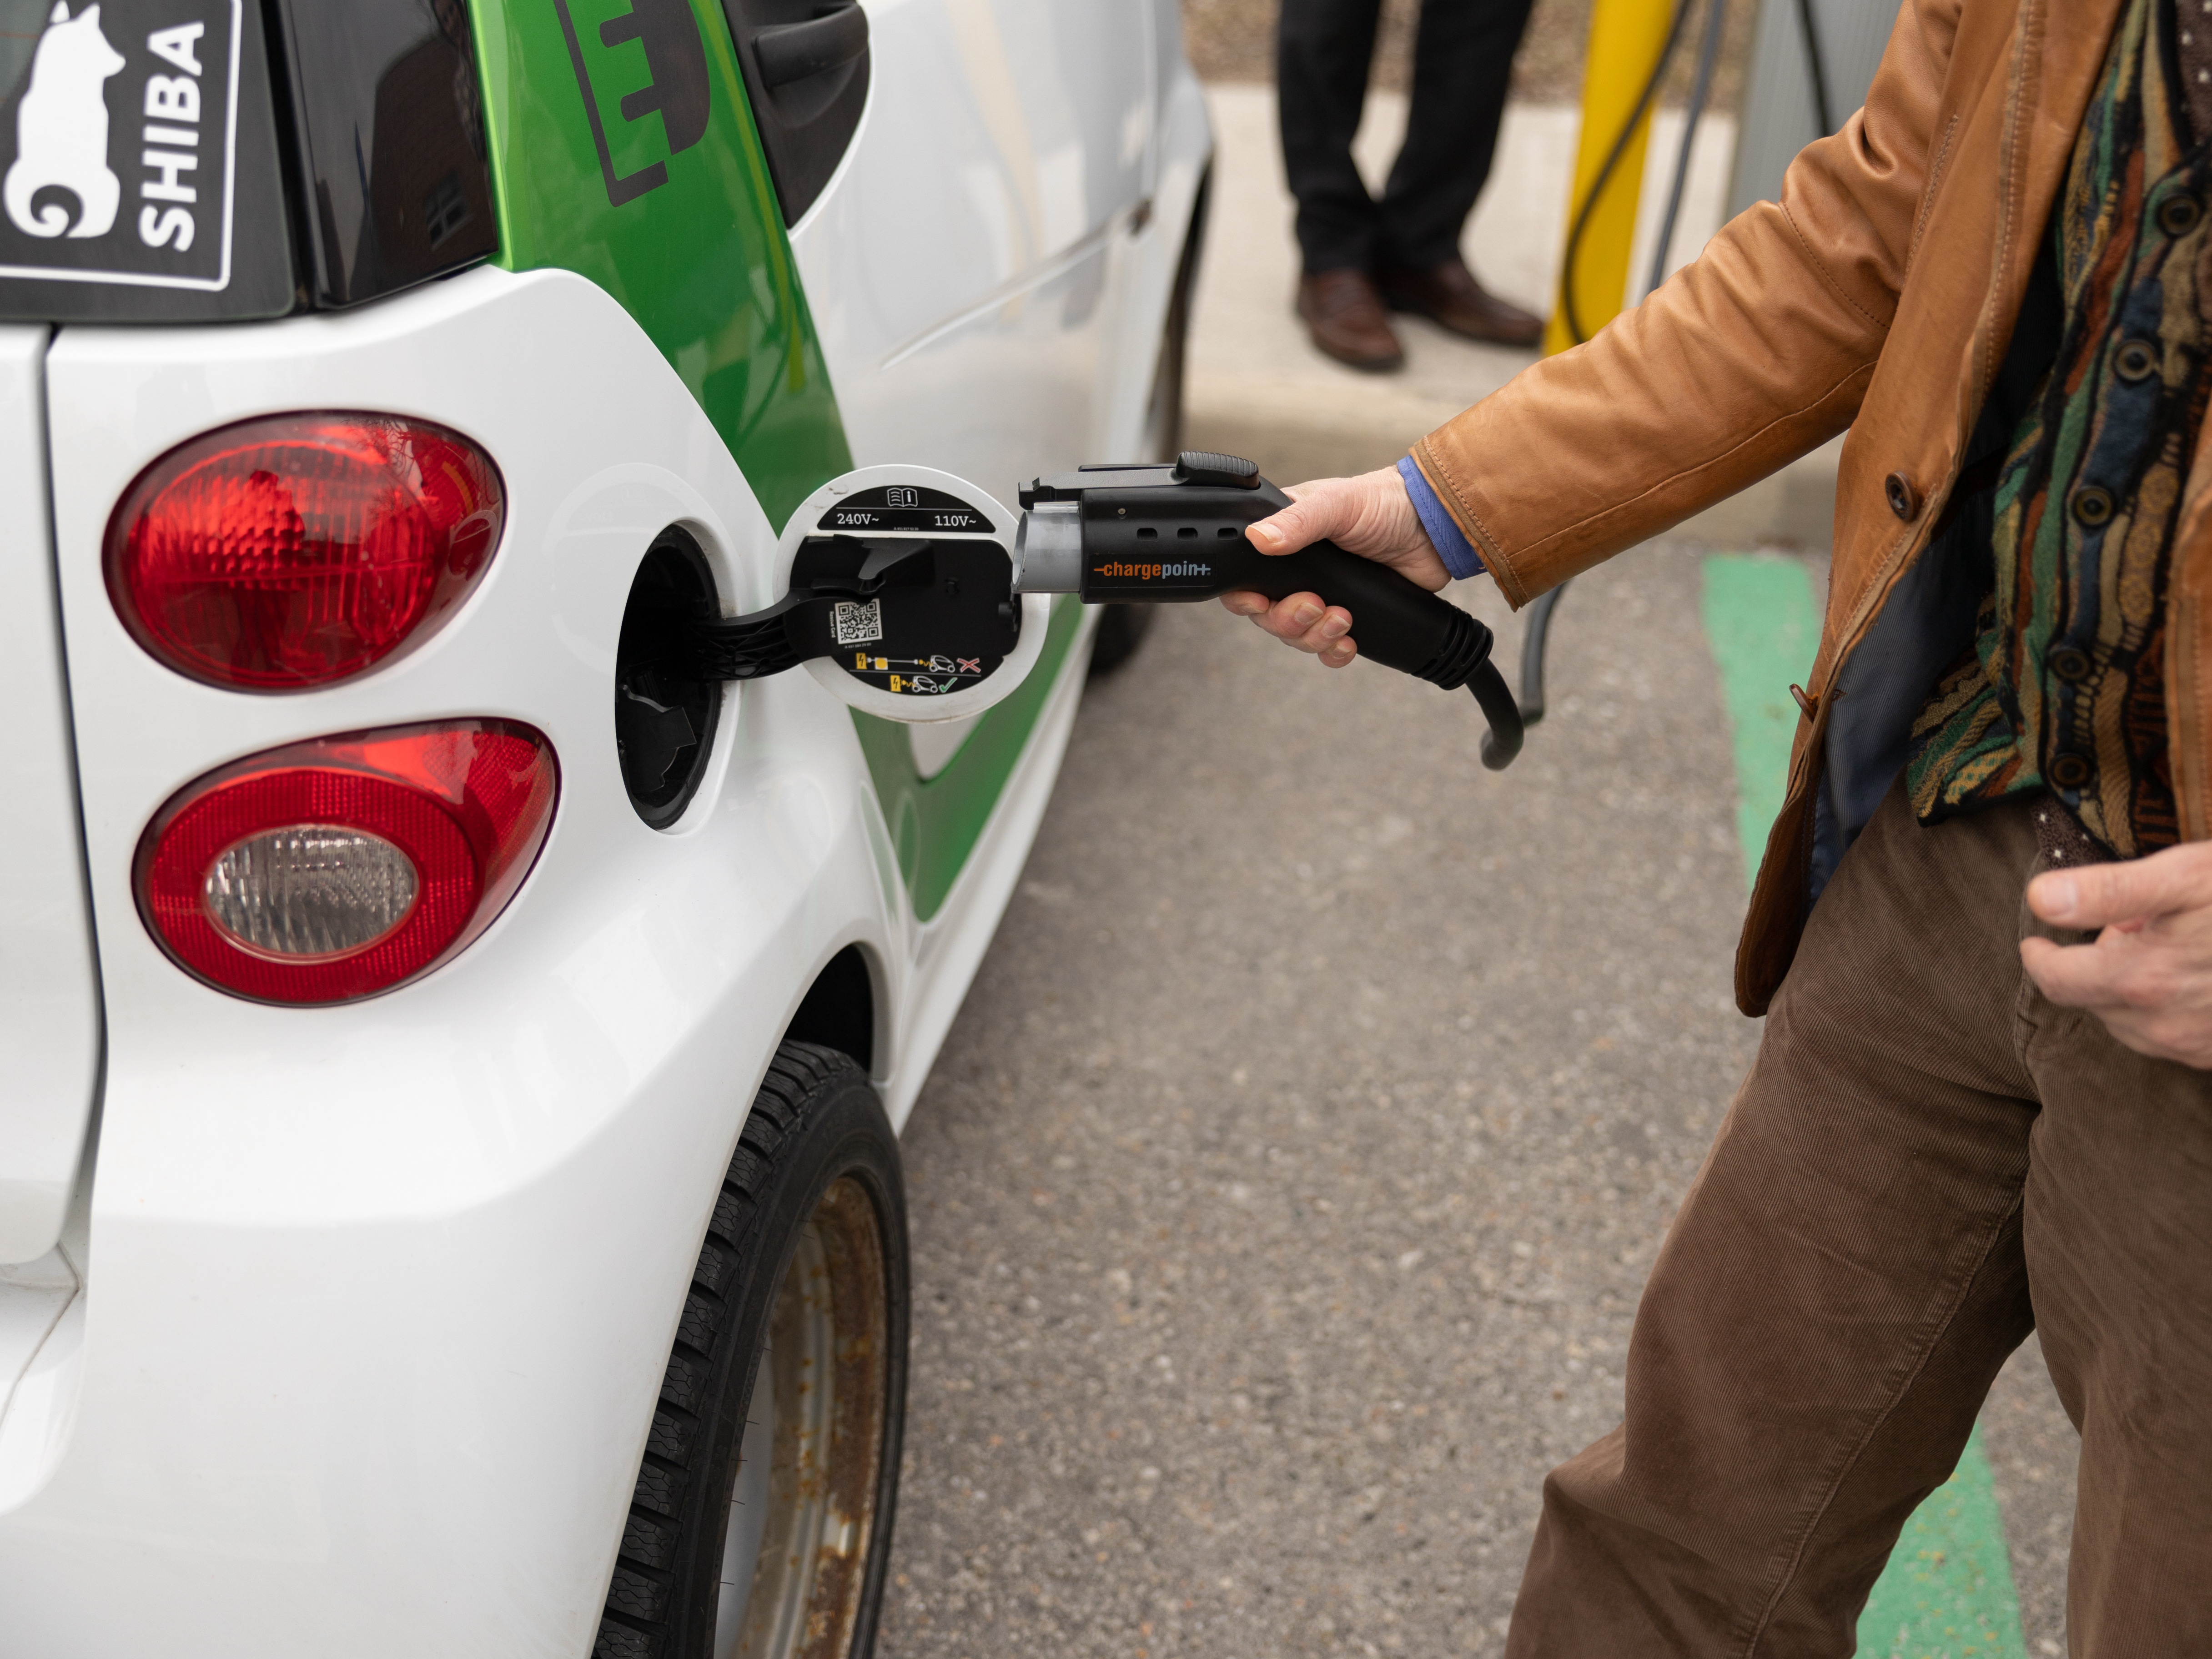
<point>856,624</point>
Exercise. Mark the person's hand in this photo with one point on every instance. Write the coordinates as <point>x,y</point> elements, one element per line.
<point>2148,974</point>
<point>1370,515</point>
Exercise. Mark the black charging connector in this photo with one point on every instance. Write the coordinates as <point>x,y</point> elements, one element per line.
<point>1174,534</point>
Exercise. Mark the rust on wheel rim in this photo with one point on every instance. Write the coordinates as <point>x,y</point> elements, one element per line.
<point>822,1388</point>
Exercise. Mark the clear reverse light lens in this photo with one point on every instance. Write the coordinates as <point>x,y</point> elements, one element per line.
<point>310,890</point>
<point>345,866</point>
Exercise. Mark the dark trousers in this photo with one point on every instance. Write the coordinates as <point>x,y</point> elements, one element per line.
<point>1462,60</point>
<point>1928,1160</point>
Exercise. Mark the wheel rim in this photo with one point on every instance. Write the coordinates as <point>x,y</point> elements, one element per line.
<point>802,1506</point>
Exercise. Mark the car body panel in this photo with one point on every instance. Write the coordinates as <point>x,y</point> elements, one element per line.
<point>965,259</point>
<point>690,241</point>
<point>445,1232</point>
<point>49,993</point>
<point>352,1343</point>
<point>935,821</point>
<point>991,279</point>
<point>946,951</point>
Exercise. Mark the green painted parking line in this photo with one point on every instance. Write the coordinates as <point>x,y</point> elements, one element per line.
<point>1763,627</point>
<point>1947,1592</point>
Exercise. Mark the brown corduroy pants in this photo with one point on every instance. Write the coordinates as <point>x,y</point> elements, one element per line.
<point>1927,1161</point>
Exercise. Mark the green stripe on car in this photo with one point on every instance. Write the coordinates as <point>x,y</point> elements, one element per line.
<point>689,240</point>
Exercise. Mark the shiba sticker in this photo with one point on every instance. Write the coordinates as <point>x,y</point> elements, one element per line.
<point>60,180</point>
<point>119,137</point>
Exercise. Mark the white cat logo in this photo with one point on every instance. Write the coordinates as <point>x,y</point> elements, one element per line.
<point>61,130</point>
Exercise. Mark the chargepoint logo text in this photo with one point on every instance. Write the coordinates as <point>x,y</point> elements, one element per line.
<point>1152,573</point>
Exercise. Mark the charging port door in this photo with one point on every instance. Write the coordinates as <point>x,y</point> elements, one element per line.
<point>913,615</point>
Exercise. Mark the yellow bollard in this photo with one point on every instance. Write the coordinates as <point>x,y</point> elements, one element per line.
<point>1625,38</point>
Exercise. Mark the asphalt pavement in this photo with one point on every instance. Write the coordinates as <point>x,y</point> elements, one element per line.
<point>1282,1196</point>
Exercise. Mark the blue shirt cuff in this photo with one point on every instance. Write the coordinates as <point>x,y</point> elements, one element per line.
<point>1458,553</point>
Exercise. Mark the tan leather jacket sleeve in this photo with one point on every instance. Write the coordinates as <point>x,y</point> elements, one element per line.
<point>1755,353</point>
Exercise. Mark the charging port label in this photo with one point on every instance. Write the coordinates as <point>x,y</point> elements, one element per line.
<point>905,506</point>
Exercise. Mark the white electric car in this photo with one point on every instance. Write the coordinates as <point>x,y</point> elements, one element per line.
<point>449,1202</point>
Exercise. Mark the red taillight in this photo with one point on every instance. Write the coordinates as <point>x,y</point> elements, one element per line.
<point>296,550</point>
<point>342,867</point>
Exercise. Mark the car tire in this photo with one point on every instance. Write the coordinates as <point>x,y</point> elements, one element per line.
<point>1121,629</point>
<point>803,1279</point>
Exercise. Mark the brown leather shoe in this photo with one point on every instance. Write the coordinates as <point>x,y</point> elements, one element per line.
<point>1344,314</point>
<point>1449,294</point>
